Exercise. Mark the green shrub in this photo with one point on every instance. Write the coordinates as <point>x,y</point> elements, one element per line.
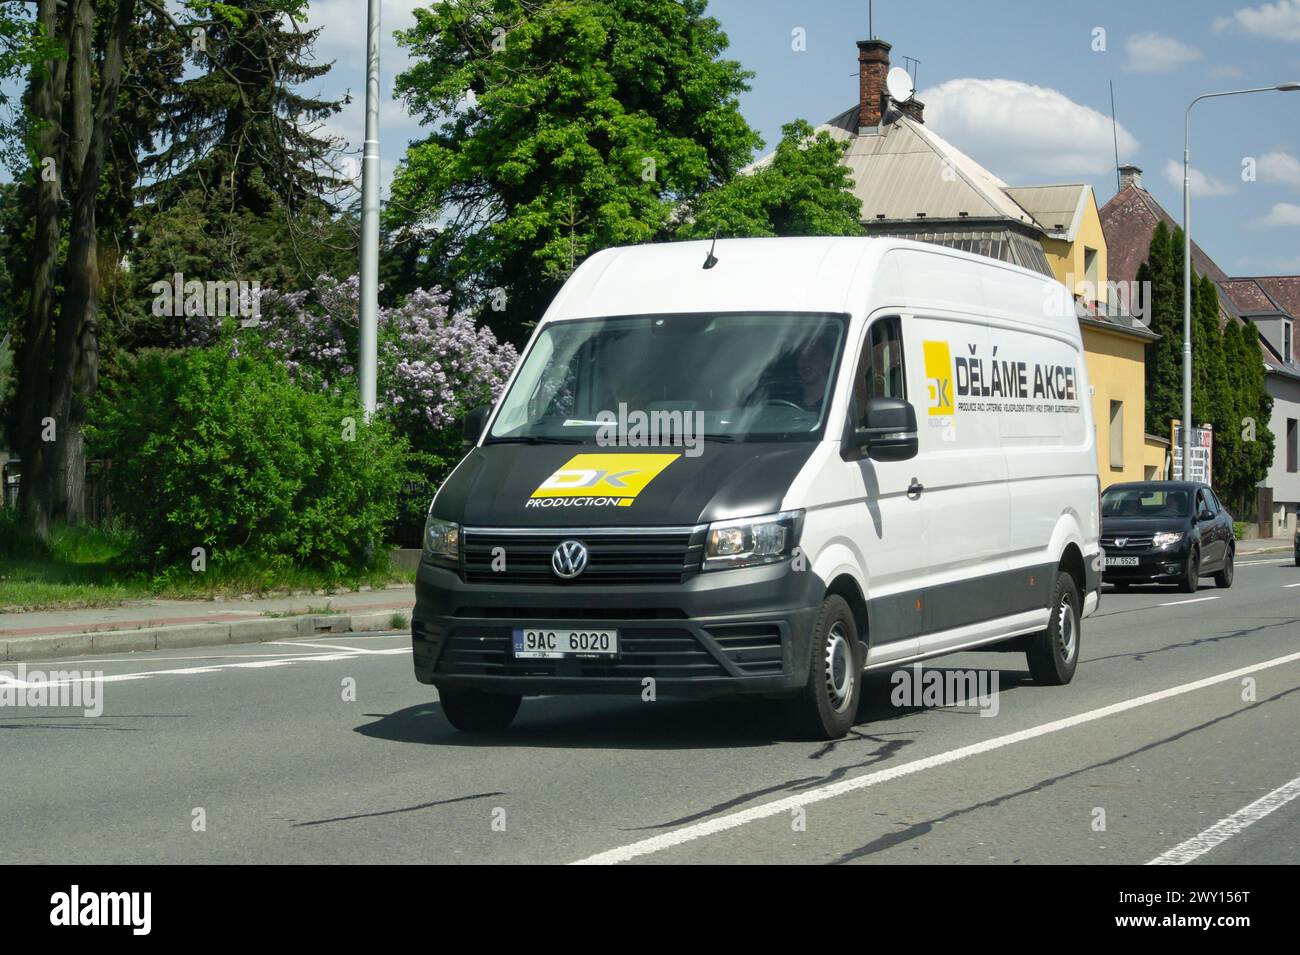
<point>227,453</point>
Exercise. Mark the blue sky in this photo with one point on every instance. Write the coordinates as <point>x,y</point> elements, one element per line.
<point>1017,84</point>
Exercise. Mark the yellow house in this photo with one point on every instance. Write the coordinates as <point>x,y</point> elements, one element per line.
<point>1114,342</point>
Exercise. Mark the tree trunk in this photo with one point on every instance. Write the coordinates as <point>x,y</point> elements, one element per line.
<point>34,344</point>
<point>76,352</point>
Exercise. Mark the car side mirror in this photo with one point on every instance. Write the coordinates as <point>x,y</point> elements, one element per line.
<point>1205,516</point>
<point>888,430</point>
<point>475,422</point>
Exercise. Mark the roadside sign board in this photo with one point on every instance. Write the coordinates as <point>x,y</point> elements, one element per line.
<point>1202,456</point>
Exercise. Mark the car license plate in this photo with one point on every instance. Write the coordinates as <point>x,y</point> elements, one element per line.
<point>1119,561</point>
<point>547,643</point>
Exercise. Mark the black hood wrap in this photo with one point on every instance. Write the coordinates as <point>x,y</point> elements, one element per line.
<point>492,486</point>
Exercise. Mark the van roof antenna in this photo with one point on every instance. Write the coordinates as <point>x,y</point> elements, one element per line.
<point>711,260</point>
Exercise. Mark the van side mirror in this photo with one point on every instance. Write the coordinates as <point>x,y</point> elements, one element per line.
<point>475,422</point>
<point>888,430</point>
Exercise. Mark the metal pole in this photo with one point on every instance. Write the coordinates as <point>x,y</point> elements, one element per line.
<point>1186,446</point>
<point>369,311</point>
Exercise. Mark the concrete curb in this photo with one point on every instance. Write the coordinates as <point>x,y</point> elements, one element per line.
<point>58,645</point>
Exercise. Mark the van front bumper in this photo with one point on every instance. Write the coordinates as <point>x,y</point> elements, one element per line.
<point>723,632</point>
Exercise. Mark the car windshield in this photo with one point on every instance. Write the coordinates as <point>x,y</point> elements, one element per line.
<point>1145,502</point>
<point>730,376</point>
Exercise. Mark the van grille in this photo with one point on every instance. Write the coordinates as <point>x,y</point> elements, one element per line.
<point>667,653</point>
<point>641,556</point>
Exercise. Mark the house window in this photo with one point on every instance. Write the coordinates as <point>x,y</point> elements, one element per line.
<point>1291,445</point>
<point>1288,343</point>
<point>1117,435</point>
<point>1090,273</point>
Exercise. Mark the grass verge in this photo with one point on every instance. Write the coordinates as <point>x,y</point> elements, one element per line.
<point>88,567</point>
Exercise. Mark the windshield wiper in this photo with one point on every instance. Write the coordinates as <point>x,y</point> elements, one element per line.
<point>533,439</point>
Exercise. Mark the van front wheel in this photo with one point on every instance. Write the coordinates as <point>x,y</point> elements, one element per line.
<point>1054,653</point>
<point>828,705</point>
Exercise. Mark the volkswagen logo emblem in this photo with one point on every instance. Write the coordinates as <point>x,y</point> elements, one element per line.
<point>569,559</point>
<point>1121,541</point>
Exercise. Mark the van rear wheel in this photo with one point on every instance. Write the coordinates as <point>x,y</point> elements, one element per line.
<point>473,711</point>
<point>1054,653</point>
<point>828,705</point>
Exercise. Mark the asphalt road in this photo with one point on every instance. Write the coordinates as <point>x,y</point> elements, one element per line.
<point>1178,739</point>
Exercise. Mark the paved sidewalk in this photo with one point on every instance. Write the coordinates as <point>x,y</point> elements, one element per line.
<point>1257,546</point>
<point>173,624</point>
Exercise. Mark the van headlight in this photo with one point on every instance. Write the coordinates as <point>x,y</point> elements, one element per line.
<point>442,542</point>
<point>1166,538</point>
<point>751,540</point>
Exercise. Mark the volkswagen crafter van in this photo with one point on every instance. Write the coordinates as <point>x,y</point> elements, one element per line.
<point>766,466</point>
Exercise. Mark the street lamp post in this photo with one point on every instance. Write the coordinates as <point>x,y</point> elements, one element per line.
<point>1186,449</point>
<point>369,305</point>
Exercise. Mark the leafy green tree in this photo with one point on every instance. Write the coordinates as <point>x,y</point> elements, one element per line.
<point>1164,358</point>
<point>803,190</point>
<point>239,132</point>
<point>559,127</point>
<point>1228,389</point>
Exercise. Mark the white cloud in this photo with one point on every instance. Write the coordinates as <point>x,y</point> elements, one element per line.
<point>1020,131</point>
<point>1280,20</point>
<point>1283,215</point>
<point>1280,167</point>
<point>1202,185</point>
<point>1156,53</point>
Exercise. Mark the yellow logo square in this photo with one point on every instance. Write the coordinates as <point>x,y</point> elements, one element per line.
<point>605,475</point>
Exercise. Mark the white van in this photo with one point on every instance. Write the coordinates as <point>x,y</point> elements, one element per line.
<point>765,466</point>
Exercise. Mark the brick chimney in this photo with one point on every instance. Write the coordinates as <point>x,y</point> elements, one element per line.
<point>914,109</point>
<point>1129,175</point>
<point>873,66</point>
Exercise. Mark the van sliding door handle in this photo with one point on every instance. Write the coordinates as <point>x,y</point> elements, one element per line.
<point>915,488</point>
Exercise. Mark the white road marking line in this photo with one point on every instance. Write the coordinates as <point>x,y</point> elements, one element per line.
<point>734,820</point>
<point>197,671</point>
<point>325,646</point>
<point>1226,828</point>
<point>1193,600</point>
<point>134,658</point>
<point>1289,586</point>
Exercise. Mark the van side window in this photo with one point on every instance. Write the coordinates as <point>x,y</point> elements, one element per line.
<point>880,368</point>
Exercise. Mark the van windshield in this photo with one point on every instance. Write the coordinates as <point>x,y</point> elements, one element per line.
<point>730,376</point>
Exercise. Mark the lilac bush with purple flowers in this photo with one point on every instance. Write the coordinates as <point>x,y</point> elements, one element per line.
<point>433,365</point>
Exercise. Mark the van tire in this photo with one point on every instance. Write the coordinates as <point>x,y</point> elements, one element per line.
<point>827,707</point>
<point>1053,653</point>
<point>473,711</point>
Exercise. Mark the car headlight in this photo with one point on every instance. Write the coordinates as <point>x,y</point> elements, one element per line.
<point>751,540</point>
<point>442,542</point>
<point>1165,538</point>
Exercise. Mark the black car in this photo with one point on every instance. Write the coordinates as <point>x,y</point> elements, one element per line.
<point>1165,532</point>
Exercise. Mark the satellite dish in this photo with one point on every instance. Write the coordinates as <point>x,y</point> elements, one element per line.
<point>899,85</point>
